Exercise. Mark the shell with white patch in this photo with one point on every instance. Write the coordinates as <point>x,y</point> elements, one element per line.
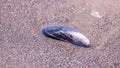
<point>66,34</point>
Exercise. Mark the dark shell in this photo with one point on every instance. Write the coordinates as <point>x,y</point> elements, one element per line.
<point>66,34</point>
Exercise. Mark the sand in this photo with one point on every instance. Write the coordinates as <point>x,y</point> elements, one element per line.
<point>22,44</point>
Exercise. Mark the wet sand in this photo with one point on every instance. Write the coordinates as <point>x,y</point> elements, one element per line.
<point>22,44</point>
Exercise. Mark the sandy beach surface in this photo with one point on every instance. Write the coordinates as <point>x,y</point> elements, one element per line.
<point>22,44</point>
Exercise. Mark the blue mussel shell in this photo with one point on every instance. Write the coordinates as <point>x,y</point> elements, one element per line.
<point>66,34</point>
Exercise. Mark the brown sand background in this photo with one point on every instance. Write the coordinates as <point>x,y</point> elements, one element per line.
<point>22,44</point>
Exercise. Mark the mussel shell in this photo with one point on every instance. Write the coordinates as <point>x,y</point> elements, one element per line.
<point>66,34</point>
